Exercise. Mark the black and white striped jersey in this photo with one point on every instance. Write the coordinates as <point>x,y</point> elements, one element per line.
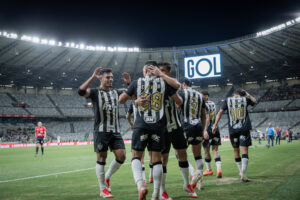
<point>106,110</point>
<point>238,117</point>
<point>172,116</point>
<point>155,89</point>
<point>211,110</point>
<point>192,106</point>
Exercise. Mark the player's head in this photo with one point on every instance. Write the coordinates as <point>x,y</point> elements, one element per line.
<point>186,83</point>
<point>40,124</point>
<point>147,66</point>
<point>106,77</point>
<point>240,92</point>
<point>205,95</point>
<point>270,124</point>
<point>165,67</point>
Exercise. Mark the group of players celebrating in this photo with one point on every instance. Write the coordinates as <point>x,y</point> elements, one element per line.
<point>165,112</point>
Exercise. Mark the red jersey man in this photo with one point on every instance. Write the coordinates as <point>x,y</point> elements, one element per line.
<point>40,135</point>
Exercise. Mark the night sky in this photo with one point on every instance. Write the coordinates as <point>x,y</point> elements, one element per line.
<point>143,23</point>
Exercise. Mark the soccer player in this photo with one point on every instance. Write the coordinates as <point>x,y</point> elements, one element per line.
<point>278,134</point>
<point>132,110</point>
<point>40,135</point>
<point>270,134</point>
<point>214,139</point>
<point>148,94</point>
<point>106,126</point>
<point>173,135</point>
<point>239,126</point>
<point>194,125</point>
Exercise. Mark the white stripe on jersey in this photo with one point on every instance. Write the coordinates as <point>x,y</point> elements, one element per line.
<point>101,128</point>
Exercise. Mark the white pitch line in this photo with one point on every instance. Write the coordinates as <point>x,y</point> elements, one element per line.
<point>74,171</point>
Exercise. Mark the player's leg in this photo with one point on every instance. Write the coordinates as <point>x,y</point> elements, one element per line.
<point>138,144</point>
<point>157,172</point>
<point>245,141</point>
<point>42,146</point>
<point>150,167</point>
<point>196,149</point>
<point>143,167</point>
<point>206,146</point>
<point>272,140</point>
<point>37,147</point>
<point>235,142</point>
<point>217,160</point>
<point>117,146</point>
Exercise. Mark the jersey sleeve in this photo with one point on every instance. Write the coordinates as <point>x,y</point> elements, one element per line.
<point>170,91</point>
<point>249,102</point>
<point>131,90</point>
<point>224,105</point>
<point>93,95</point>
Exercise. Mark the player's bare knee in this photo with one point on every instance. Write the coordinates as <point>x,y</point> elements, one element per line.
<point>182,155</point>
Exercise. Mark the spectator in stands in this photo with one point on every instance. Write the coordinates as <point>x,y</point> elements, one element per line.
<point>270,134</point>
<point>278,134</point>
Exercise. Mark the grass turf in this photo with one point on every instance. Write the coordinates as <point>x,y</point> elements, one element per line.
<point>68,173</point>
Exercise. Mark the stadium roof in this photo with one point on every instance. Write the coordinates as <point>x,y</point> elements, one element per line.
<point>270,54</point>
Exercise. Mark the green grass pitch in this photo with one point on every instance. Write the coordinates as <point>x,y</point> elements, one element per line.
<point>68,173</point>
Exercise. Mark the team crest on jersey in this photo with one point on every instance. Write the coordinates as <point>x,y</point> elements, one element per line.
<point>155,137</point>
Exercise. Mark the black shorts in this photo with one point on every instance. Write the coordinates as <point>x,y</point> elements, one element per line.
<point>177,138</point>
<point>240,139</point>
<point>40,140</point>
<point>193,133</point>
<point>103,140</point>
<point>150,138</point>
<point>214,139</point>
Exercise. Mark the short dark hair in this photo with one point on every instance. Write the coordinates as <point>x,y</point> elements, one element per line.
<point>103,71</point>
<point>151,62</point>
<point>240,92</point>
<point>205,92</point>
<point>187,81</point>
<point>166,64</point>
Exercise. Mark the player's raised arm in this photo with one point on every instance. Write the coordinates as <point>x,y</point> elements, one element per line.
<point>129,94</point>
<point>171,81</point>
<point>83,89</point>
<point>251,98</point>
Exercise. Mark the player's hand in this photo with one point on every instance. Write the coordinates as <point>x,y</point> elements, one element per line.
<point>126,78</point>
<point>142,101</point>
<point>96,74</point>
<point>206,136</point>
<point>155,71</point>
<point>131,127</point>
<point>214,129</point>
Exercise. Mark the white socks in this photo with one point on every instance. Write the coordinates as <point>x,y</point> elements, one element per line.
<point>100,174</point>
<point>136,167</point>
<point>218,163</point>
<point>199,164</point>
<point>157,174</point>
<point>207,163</point>
<point>163,180</point>
<point>239,164</point>
<point>191,168</point>
<point>114,166</point>
<point>184,168</point>
<point>144,175</point>
<point>244,164</point>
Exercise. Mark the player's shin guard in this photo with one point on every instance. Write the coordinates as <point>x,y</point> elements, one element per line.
<point>207,163</point>
<point>100,171</point>
<point>199,164</point>
<point>163,180</point>
<point>136,167</point>
<point>245,159</point>
<point>239,164</point>
<point>218,163</point>
<point>184,168</point>
<point>114,166</point>
<point>157,174</point>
